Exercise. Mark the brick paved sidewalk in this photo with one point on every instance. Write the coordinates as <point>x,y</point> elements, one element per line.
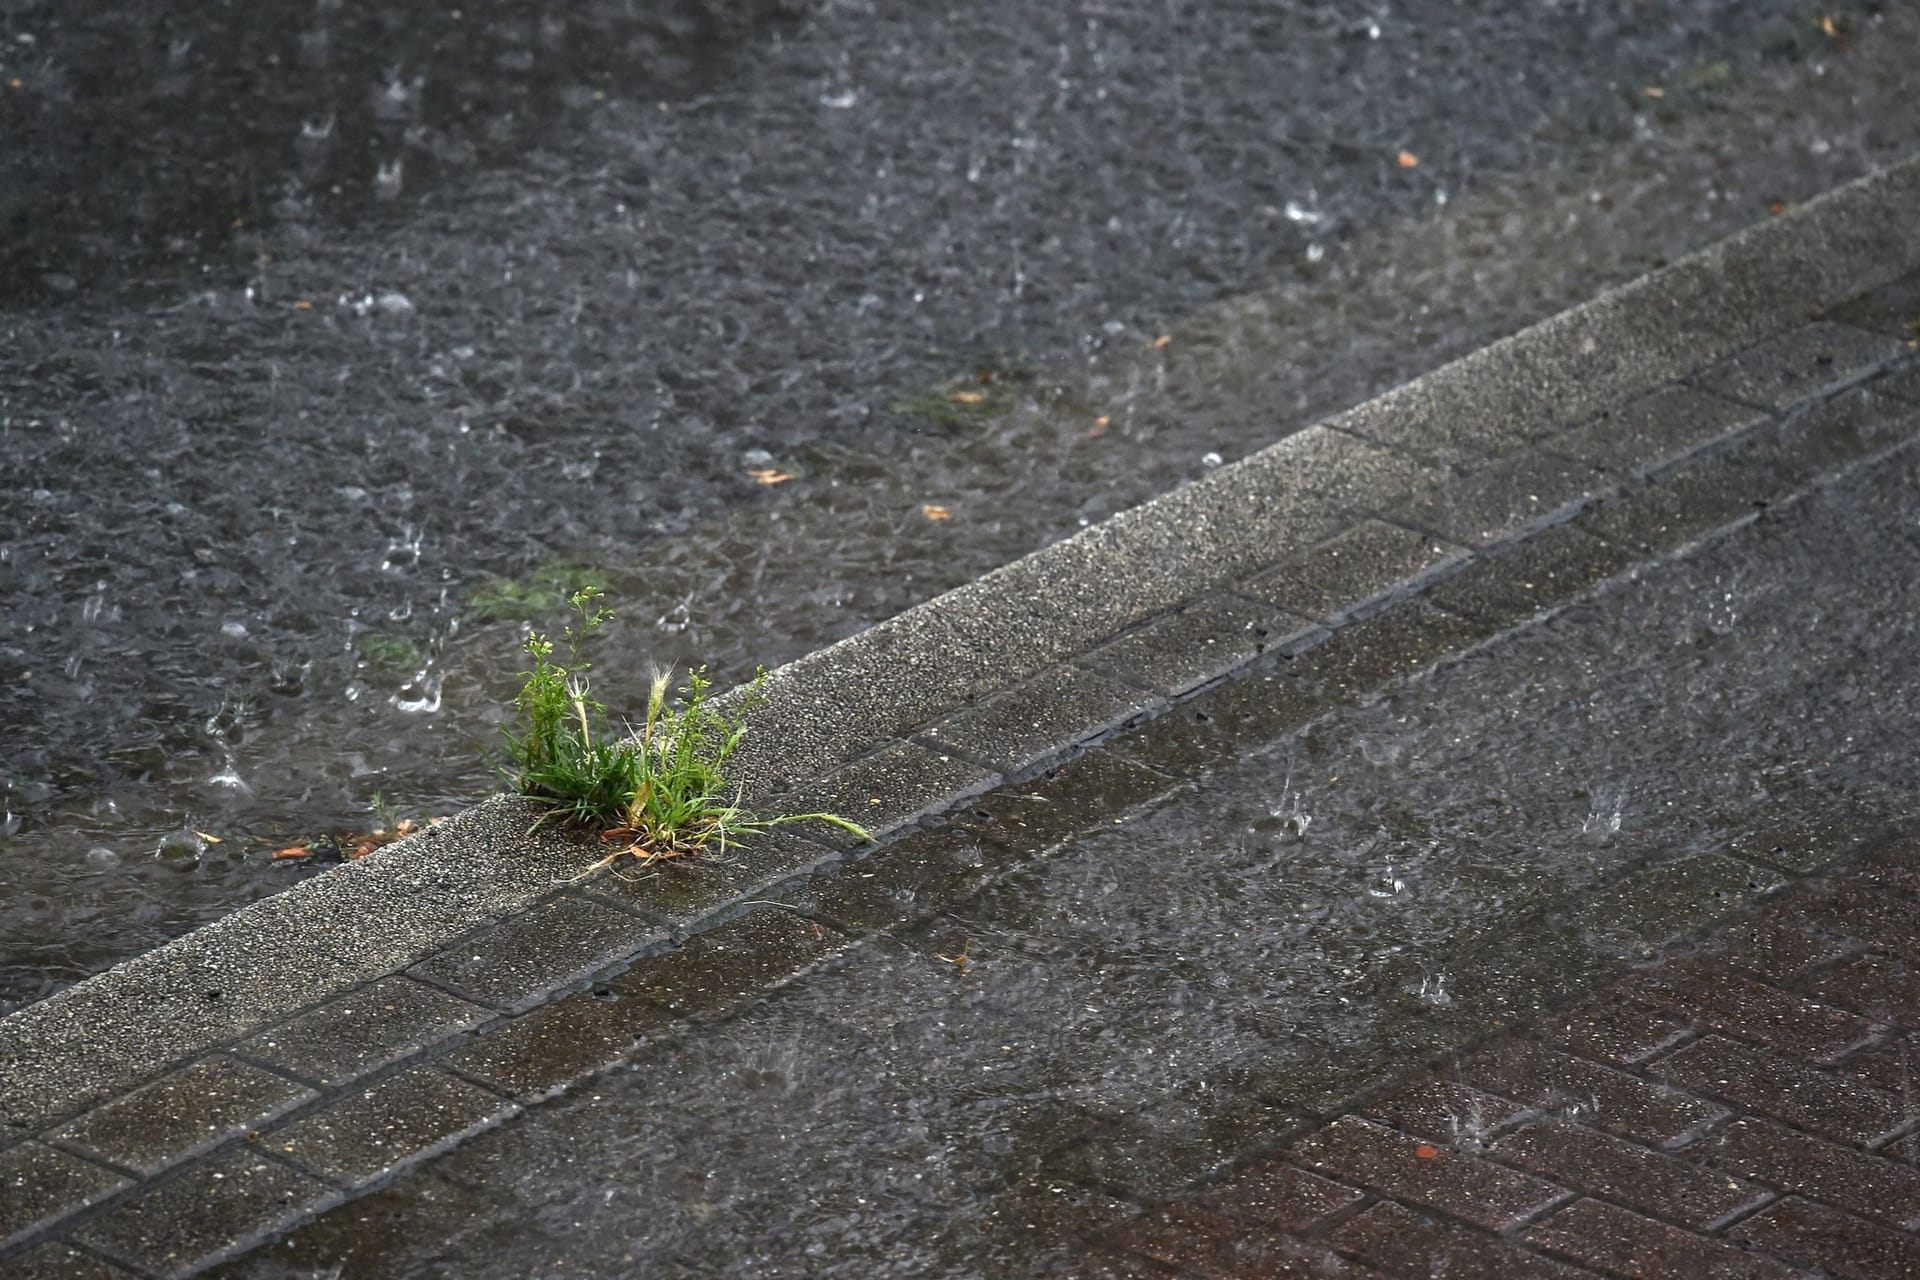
<point>1746,1111</point>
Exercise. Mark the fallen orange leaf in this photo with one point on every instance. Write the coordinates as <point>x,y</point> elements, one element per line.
<point>932,512</point>
<point>966,397</point>
<point>1654,91</point>
<point>364,849</point>
<point>1827,25</point>
<point>301,304</point>
<point>1407,160</point>
<point>768,475</point>
<point>1162,341</point>
<point>209,839</point>
<point>1776,208</point>
<point>294,851</point>
<point>1426,1152</point>
<point>16,83</point>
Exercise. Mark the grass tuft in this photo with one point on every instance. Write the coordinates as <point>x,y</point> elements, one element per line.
<point>660,792</point>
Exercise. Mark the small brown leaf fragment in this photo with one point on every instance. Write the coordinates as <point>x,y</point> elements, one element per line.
<point>1828,26</point>
<point>301,304</point>
<point>363,850</point>
<point>209,839</point>
<point>1425,1152</point>
<point>1161,342</point>
<point>1654,91</point>
<point>966,397</point>
<point>1099,427</point>
<point>1407,160</point>
<point>292,851</point>
<point>932,512</point>
<point>769,475</point>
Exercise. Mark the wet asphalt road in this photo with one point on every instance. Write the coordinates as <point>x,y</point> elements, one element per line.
<point>316,319</point>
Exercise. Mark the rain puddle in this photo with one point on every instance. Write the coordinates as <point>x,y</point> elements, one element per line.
<point>397,328</point>
<point>1174,993</point>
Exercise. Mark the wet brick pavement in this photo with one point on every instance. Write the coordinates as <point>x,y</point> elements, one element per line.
<point>1744,1110</point>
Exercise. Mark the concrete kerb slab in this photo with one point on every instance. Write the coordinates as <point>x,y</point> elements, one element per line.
<point>839,711</point>
<point>274,958</point>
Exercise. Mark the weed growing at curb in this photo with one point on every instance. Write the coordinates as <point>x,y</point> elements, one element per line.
<point>660,792</point>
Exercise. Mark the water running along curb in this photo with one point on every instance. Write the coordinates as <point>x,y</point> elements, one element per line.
<point>994,680</point>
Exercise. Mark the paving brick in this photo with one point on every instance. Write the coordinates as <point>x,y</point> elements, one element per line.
<point>1091,790</point>
<point>1814,361</point>
<point>1612,1032</point>
<point>398,1122</point>
<point>523,960</point>
<point>1656,905</point>
<point>1653,432</point>
<point>1105,1266</point>
<point>890,789</point>
<point>1893,1066</point>
<point>61,1262</point>
<point>681,893</point>
<point>1875,985</point>
<point>1435,1177</point>
<point>1901,385</point>
<point>363,1031</point>
<point>1874,917</point>
<point>1515,973</point>
<point>1384,650</point>
<point>1445,1111</point>
<point>1815,1235</point>
<point>1627,1173</point>
<point>850,898</point>
<point>40,1185</point>
<point>1800,1164</point>
<point>182,1113</point>
<point>1728,486</point>
<point>1892,309</point>
<point>1181,651</point>
<point>714,969</point>
<point>1398,1240</point>
<point>1280,1197</point>
<point>1595,1095</point>
<point>1201,1243</point>
<point>541,1052</point>
<point>1354,571</point>
<point>1722,998</point>
<point>1675,511</point>
<point>1219,725</point>
<point>1784,1089</point>
<point>1772,945</point>
<point>1802,833</point>
<point>1621,1243</point>
<point>931,868</point>
<point>214,1208</point>
<point>1503,498</point>
<point>1511,584</point>
<point>1060,708</point>
<point>1140,1157</point>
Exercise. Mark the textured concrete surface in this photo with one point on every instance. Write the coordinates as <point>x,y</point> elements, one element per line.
<point>957,730</point>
